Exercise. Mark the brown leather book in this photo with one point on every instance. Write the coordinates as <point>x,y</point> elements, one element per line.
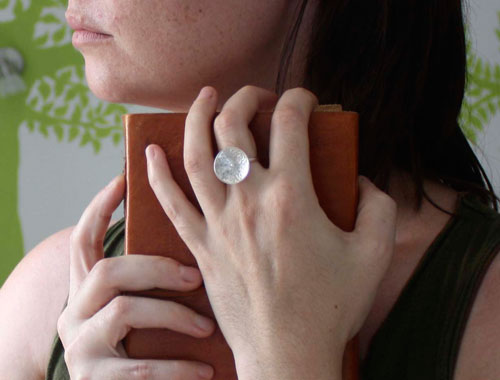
<point>333,138</point>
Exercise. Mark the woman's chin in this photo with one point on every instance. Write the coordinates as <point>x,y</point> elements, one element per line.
<point>104,86</point>
<point>130,93</point>
<point>163,91</point>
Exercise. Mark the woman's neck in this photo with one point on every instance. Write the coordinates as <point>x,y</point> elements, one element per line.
<point>412,224</point>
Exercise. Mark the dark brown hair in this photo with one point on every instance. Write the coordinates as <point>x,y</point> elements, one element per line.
<point>402,66</point>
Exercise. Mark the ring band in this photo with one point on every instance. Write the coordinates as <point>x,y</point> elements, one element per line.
<point>232,165</point>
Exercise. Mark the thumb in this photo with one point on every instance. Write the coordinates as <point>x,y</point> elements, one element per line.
<point>376,221</point>
<point>86,241</point>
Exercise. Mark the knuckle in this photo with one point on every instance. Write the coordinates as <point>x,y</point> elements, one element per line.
<point>142,370</point>
<point>103,270</point>
<point>249,212</point>
<point>68,356</point>
<point>248,89</point>
<point>376,247</point>
<point>74,358</point>
<point>391,203</point>
<point>179,312</point>
<point>61,325</point>
<point>304,92</point>
<point>193,164</point>
<point>225,122</point>
<point>288,115</point>
<point>181,370</point>
<point>385,200</point>
<point>83,239</point>
<point>71,357</point>
<point>285,191</point>
<point>167,264</point>
<point>76,237</point>
<point>119,306</point>
<point>284,200</point>
<point>172,211</point>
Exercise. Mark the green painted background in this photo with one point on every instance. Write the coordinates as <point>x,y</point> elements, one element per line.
<point>55,100</point>
<point>51,97</point>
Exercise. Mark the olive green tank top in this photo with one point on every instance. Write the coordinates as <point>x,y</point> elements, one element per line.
<point>421,335</point>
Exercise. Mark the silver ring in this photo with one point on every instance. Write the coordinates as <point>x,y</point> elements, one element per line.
<point>232,165</point>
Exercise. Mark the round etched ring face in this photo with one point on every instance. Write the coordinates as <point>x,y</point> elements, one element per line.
<point>231,165</point>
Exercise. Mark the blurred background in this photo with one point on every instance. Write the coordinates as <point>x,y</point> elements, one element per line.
<point>59,144</point>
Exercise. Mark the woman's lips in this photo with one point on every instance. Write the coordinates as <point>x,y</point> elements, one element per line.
<point>86,32</point>
<point>84,37</point>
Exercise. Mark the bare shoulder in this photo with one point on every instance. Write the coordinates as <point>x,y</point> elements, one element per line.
<point>479,355</point>
<point>31,300</point>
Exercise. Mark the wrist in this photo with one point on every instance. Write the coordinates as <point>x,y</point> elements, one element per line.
<point>284,361</point>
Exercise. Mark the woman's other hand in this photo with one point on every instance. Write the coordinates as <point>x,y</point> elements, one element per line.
<point>286,285</point>
<point>97,317</point>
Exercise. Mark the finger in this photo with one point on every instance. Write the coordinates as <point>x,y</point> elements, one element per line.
<point>198,152</point>
<point>86,242</point>
<point>376,220</point>
<point>119,369</point>
<point>231,125</point>
<point>289,141</point>
<point>110,277</point>
<point>187,220</point>
<point>112,323</point>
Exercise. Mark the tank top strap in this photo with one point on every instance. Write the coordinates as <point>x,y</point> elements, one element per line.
<point>114,241</point>
<point>421,336</point>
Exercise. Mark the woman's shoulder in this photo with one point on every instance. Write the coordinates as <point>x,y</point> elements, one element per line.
<point>34,295</point>
<point>31,300</point>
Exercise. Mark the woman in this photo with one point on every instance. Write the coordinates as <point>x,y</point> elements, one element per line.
<point>401,65</point>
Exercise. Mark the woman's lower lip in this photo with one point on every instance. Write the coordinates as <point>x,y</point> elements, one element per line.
<point>82,37</point>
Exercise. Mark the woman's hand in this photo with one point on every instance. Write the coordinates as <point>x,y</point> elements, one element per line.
<point>288,288</point>
<point>97,317</point>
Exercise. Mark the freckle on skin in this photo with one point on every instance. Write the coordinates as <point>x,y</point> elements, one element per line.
<point>190,17</point>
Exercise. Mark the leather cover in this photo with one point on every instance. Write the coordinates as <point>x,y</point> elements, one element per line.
<point>333,137</point>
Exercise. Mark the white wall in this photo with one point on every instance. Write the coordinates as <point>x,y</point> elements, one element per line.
<point>58,180</point>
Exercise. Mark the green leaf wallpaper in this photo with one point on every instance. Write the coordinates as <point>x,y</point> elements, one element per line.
<point>43,93</point>
<point>62,104</point>
<point>482,96</point>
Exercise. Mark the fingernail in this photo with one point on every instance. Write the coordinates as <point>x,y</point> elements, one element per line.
<point>150,152</point>
<point>190,274</point>
<point>206,92</point>
<point>206,372</point>
<point>203,323</point>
